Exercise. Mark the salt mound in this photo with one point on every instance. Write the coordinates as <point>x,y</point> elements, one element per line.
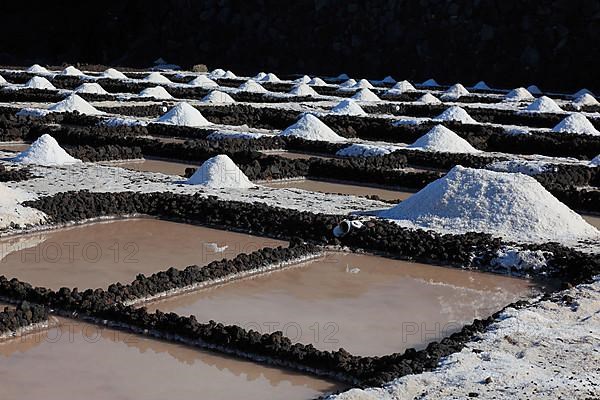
<point>303,79</point>
<point>303,89</point>
<point>481,85</point>
<point>112,73</point>
<point>156,77</point>
<point>74,103</point>
<point>430,82</point>
<point>544,104</point>
<point>533,89</point>
<point>259,76</point>
<point>216,96</point>
<point>585,99</point>
<point>513,206</point>
<point>576,123</point>
<point>595,161</point>
<point>348,107</point>
<point>158,92</point>
<point>12,212</point>
<point>343,77</point>
<point>45,151</point>
<point>37,69</point>
<point>348,83</point>
<point>388,79</point>
<point>37,82</point>
<point>518,94</point>
<point>362,84</point>
<point>229,75</point>
<point>310,127</point>
<point>428,98</point>
<point>71,71</point>
<point>366,150</point>
<point>183,114</point>
<point>365,95</point>
<point>454,92</point>
<point>2,80</point>
<point>203,81</point>
<point>220,172</point>
<point>317,82</point>
<point>93,88</point>
<point>403,86</point>
<point>455,113</point>
<point>441,139</point>
<point>252,87</point>
<point>217,73</point>
<point>582,91</point>
<point>270,77</point>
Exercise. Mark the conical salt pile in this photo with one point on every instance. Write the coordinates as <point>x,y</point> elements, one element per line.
<point>216,96</point>
<point>348,107</point>
<point>184,114</point>
<point>229,75</point>
<point>582,91</point>
<point>74,103</point>
<point>442,139</point>
<point>37,82</point>
<point>428,98</point>
<point>217,73</point>
<point>2,80</point>
<point>430,83</point>
<point>303,89</point>
<point>401,87</point>
<point>509,205</point>
<point>544,104</point>
<point>585,99</point>
<point>347,84</point>
<point>454,92</point>
<point>533,89</point>
<point>158,92</point>
<point>595,161</point>
<point>37,69</point>
<point>270,77</point>
<point>388,79</point>
<point>259,76</point>
<point>576,123</point>
<point>71,71</point>
<point>203,81</point>
<point>362,84</point>
<point>455,113</point>
<point>481,85</point>
<point>156,77</point>
<point>45,151</point>
<point>343,77</point>
<point>365,95</point>
<point>310,127</point>
<point>252,87</point>
<point>302,79</point>
<point>112,73</point>
<point>316,81</point>
<point>519,94</point>
<point>220,172</point>
<point>91,88</point>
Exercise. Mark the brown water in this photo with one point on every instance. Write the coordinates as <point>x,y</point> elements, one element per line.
<point>292,155</point>
<point>77,360</point>
<point>96,255</point>
<point>385,307</point>
<point>592,220</point>
<point>343,188</point>
<point>153,165</point>
<point>16,147</point>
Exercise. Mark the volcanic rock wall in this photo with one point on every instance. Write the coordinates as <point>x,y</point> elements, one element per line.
<point>553,44</point>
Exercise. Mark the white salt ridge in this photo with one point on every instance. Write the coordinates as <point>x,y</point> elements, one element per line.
<point>518,94</point>
<point>481,85</point>
<point>303,79</point>
<point>544,104</point>
<point>441,139</point>
<point>203,81</point>
<point>310,127</point>
<point>158,92</point>
<point>37,69</point>
<point>455,113</point>
<point>252,87</point>
<point>454,92</point>
<point>430,83</point>
<point>585,99</point>
<point>156,77</point>
<point>71,71</point>
<point>303,89</point>
<point>388,79</point>
<point>512,206</point>
<point>11,210</point>
<point>220,172</point>
<point>113,73</point>
<point>121,121</point>
<point>316,81</point>
<point>234,135</point>
<point>365,95</point>
<point>45,151</point>
<point>401,87</point>
<point>270,77</point>
<point>183,114</point>
<point>348,107</point>
<point>37,82</point>
<point>428,98</point>
<point>92,88</point>
<point>366,150</point>
<point>74,103</point>
<point>348,83</point>
<point>527,167</point>
<point>582,91</point>
<point>533,89</point>
<point>576,123</point>
<point>216,96</point>
<point>362,84</point>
